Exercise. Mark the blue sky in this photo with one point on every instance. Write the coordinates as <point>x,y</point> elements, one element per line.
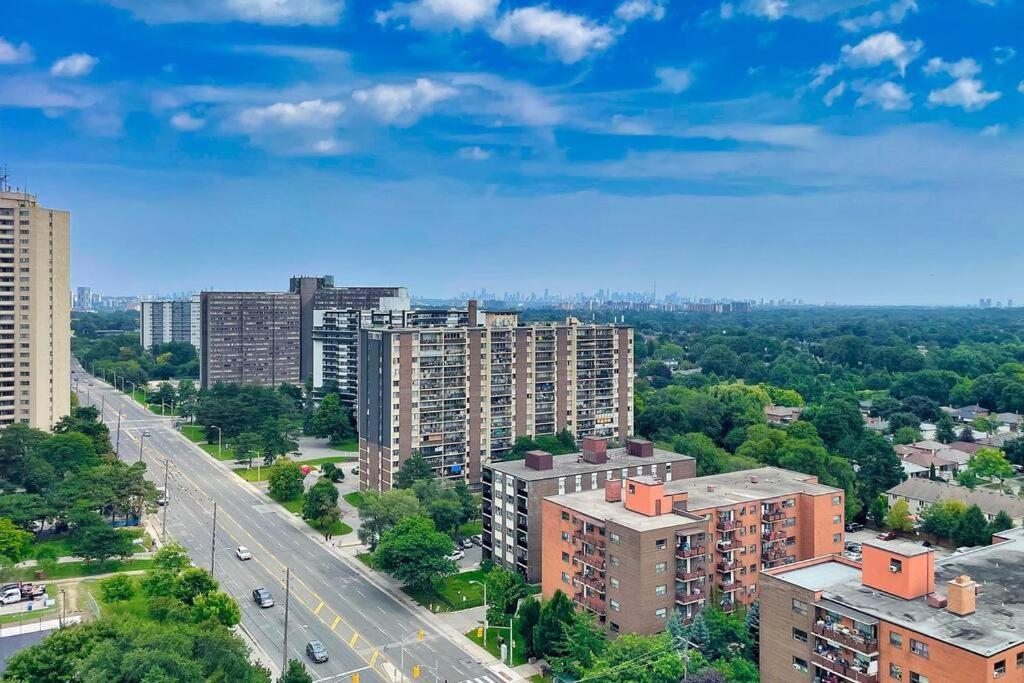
<point>859,151</point>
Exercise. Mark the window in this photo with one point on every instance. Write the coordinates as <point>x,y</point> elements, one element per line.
<point>565,516</point>
<point>565,577</point>
<point>896,639</point>
<point>800,607</point>
<point>632,488</point>
<point>614,604</point>
<point>615,627</point>
<point>836,519</point>
<point>614,582</point>
<point>661,613</point>
<point>837,500</point>
<point>800,635</point>
<point>789,521</point>
<point>895,566</point>
<point>895,672</point>
<point>836,538</point>
<point>565,557</point>
<point>800,664</point>
<point>918,678</point>
<point>660,590</point>
<point>660,567</point>
<point>565,535</point>
<point>998,670</point>
<point>613,537</point>
<point>561,486</point>
<point>613,560</point>
<point>918,648</point>
<point>660,544</point>
<point>1020,659</point>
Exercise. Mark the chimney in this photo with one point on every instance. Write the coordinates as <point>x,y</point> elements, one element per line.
<point>595,450</point>
<point>961,595</point>
<point>539,460</point>
<point>711,488</point>
<point>613,490</point>
<point>640,448</point>
<point>471,307</point>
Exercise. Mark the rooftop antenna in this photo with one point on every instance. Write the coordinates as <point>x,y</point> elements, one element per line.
<point>4,186</point>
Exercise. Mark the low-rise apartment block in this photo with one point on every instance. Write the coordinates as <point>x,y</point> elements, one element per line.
<point>513,491</point>
<point>162,322</point>
<point>901,615</point>
<point>459,396</point>
<point>641,547</point>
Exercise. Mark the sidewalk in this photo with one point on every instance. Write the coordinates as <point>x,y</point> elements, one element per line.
<point>147,555</point>
<point>37,626</point>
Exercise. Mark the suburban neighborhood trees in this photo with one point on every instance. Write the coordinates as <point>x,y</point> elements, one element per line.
<point>972,529</point>
<point>379,512</point>
<point>285,480</point>
<point>990,463</point>
<point>320,505</point>
<point>415,468</point>
<point>898,517</point>
<point>415,552</point>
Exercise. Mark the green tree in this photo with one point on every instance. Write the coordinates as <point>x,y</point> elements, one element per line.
<point>379,512</point>
<point>968,479</point>
<point>320,505</point>
<point>246,446</point>
<point>633,658</point>
<point>737,670</point>
<point>192,583</point>
<point>877,510</point>
<point>93,539</point>
<point>332,472</point>
<point>584,642</point>
<point>285,480</point>
<point>68,452</point>
<point>529,614</point>
<point>14,542</point>
<point>990,463</point>
<point>504,590</point>
<point>415,468</point>
<point>699,635</point>
<point>415,553</point>
<point>217,606</point>
<point>879,468</point>
<point>710,458</point>
<point>972,529</point>
<point>1001,522</point>
<point>905,435</point>
<point>296,673</point>
<point>555,615</point>
<point>172,558</point>
<point>117,588</point>
<point>331,420</point>
<point>278,437</point>
<point>941,517</point>
<point>898,517</point>
<point>945,429</point>
<point>836,420</point>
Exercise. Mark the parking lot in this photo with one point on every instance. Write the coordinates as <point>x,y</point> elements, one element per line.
<point>870,534</point>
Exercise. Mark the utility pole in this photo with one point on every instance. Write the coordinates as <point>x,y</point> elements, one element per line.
<point>213,538</point>
<point>142,440</point>
<point>167,501</point>
<point>103,405</point>
<point>117,447</point>
<point>287,593</point>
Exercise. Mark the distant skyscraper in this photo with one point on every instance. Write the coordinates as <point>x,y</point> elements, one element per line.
<point>161,322</point>
<point>35,328</point>
<point>83,299</point>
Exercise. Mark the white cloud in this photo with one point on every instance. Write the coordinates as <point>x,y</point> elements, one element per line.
<point>328,147</point>
<point>441,14</point>
<point>726,11</point>
<point>822,74</point>
<point>965,68</point>
<point>569,37</point>
<point>894,14</point>
<point>300,115</point>
<point>626,125</point>
<point>674,80</point>
<point>184,121</point>
<point>886,95</point>
<point>504,102</point>
<point>834,93</point>
<point>993,131</point>
<point>781,135</point>
<point>966,93</point>
<point>474,153</point>
<point>270,12</point>
<point>73,66</point>
<point>1020,87</point>
<point>767,9</point>
<point>880,48</point>
<point>403,104</point>
<point>324,56</point>
<point>633,10</point>
<point>1003,54</point>
<point>15,54</point>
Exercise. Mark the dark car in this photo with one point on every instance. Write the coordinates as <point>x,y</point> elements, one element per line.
<point>262,597</point>
<point>854,526</point>
<point>316,651</point>
<point>887,536</point>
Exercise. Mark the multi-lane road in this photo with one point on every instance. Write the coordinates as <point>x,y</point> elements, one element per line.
<point>362,624</point>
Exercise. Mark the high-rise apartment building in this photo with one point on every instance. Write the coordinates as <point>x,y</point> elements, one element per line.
<point>161,322</point>
<point>513,491</point>
<point>249,338</point>
<point>83,299</point>
<point>320,294</point>
<point>899,615</point>
<point>459,396</point>
<point>35,312</point>
<point>644,546</point>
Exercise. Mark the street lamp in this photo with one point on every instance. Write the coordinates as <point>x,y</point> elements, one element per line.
<point>142,439</point>
<point>220,433</point>
<point>134,385</point>
<point>484,586</point>
<point>63,607</point>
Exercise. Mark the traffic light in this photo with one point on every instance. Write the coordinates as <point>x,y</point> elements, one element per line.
<point>479,631</point>
<point>415,670</point>
<point>420,634</point>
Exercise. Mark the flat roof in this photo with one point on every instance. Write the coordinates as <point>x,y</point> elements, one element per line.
<point>572,464</point>
<point>905,548</point>
<point>737,487</point>
<point>822,575</point>
<point>998,620</point>
<point>592,504</point>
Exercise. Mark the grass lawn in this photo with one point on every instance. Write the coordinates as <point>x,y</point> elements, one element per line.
<point>135,607</point>
<point>366,558</point>
<point>261,472</point>
<point>193,433</point>
<point>471,528</point>
<point>211,448</point>
<point>69,570</point>
<point>453,594</point>
<point>494,646</point>
<point>62,545</point>
<point>339,528</point>
<point>34,615</point>
<point>316,462</point>
<point>355,498</point>
<point>349,445</point>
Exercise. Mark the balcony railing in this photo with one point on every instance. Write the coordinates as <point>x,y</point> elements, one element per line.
<point>842,670</point>
<point>692,551</point>
<point>728,524</point>
<point>592,560</point>
<point>593,582</point>
<point>726,546</point>
<point>725,567</point>
<point>696,573</point>
<point>689,597</point>
<point>595,540</point>
<point>593,604</point>
<point>771,517</point>
<point>775,553</point>
<point>774,536</point>
<point>848,639</point>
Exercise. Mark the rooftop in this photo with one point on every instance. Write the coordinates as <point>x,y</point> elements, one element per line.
<point>822,575</point>
<point>593,504</point>
<point>904,548</point>
<point>745,486</point>
<point>990,502</point>
<point>997,622</point>
<point>572,463</point>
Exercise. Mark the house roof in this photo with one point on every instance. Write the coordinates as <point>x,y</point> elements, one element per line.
<point>926,460</point>
<point>966,446</point>
<point>1008,418</point>
<point>990,502</point>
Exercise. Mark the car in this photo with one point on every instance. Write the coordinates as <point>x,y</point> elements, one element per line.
<point>477,539</point>
<point>243,553</point>
<point>262,597</point>
<point>11,597</point>
<point>854,526</point>
<point>466,544</point>
<point>316,651</point>
<point>457,555</point>
<point>146,433</point>
<point>355,470</point>
<point>887,536</point>
<point>850,555</point>
<point>852,546</point>
<point>925,544</point>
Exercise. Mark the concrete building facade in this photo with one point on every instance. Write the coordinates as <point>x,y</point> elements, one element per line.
<point>249,338</point>
<point>714,536</point>
<point>161,322</point>
<point>459,396</point>
<point>35,312</point>
<point>900,615</point>
<point>513,492</point>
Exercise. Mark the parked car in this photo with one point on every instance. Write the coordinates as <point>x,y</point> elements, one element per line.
<point>853,546</point>
<point>355,470</point>
<point>854,526</point>
<point>477,539</point>
<point>146,433</point>
<point>887,536</point>
<point>243,553</point>
<point>316,651</point>
<point>262,597</point>
<point>465,544</point>
<point>457,555</point>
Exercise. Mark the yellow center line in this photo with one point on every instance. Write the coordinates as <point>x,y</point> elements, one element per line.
<point>352,641</point>
<point>334,624</point>
<point>318,608</point>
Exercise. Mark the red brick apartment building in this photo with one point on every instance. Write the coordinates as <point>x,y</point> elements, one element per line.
<point>901,615</point>
<point>637,549</point>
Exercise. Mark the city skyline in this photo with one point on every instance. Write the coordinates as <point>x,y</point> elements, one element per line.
<point>838,150</point>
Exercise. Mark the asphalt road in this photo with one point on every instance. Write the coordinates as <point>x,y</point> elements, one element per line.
<point>360,623</point>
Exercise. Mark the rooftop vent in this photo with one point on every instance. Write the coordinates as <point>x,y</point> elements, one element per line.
<point>936,600</point>
<point>961,595</point>
<point>595,450</point>
<point>613,490</point>
<point>539,460</point>
<point>752,478</point>
<point>711,488</point>
<point>640,448</point>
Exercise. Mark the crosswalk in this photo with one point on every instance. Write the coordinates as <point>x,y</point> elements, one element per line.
<point>480,679</point>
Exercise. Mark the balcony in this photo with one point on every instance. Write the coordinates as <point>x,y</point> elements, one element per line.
<point>726,567</point>
<point>592,582</point>
<point>590,560</point>
<point>593,604</point>
<point>773,536</point>
<point>776,553</point>
<point>728,546</point>
<point>729,586</point>
<point>692,551</point>
<point>840,669</point>
<point>691,575</point>
<point>690,597</point>
<point>728,524</point>
<point>774,516</point>
<point>595,540</point>
<point>847,638</point>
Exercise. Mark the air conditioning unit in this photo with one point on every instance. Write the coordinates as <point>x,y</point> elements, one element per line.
<point>894,570</point>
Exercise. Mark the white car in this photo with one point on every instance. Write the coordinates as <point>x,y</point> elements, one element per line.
<point>456,556</point>
<point>243,553</point>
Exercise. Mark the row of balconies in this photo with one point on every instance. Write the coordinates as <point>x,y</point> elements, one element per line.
<point>848,638</point>
<point>841,669</point>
